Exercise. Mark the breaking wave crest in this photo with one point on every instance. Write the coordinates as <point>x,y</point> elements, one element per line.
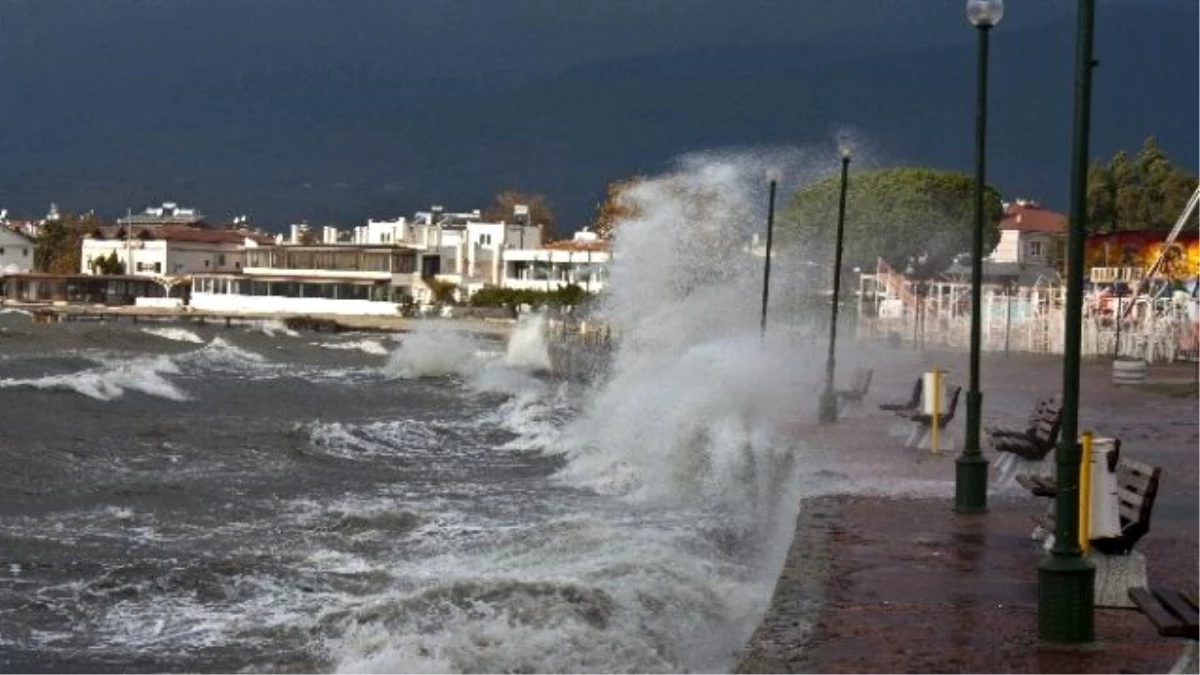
<point>367,346</point>
<point>113,379</point>
<point>175,334</point>
<point>433,350</point>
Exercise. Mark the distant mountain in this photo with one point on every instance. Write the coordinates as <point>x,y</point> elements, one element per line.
<point>351,116</point>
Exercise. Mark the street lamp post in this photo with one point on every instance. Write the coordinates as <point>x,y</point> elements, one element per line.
<point>970,473</point>
<point>1066,590</point>
<point>828,408</point>
<point>773,178</point>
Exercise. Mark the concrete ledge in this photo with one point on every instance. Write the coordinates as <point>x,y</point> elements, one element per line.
<point>1115,575</point>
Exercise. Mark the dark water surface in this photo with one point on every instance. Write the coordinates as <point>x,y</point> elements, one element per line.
<point>182,498</point>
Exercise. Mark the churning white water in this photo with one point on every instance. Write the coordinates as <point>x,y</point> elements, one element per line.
<point>527,345</point>
<point>434,349</point>
<point>658,544</point>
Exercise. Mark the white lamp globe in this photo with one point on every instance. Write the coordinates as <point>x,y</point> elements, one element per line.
<point>985,13</point>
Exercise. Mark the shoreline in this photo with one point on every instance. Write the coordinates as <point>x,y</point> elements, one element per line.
<point>51,313</point>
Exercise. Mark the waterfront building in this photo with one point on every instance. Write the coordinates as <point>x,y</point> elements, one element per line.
<point>16,251</point>
<point>168,250</point>
<point>113,290</point>
<point>581,260</point>
<point>319,279</point>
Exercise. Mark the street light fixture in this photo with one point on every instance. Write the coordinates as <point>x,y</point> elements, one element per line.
<point>828,409</point>
<point>1066,579</point>
<point>773,179</point>
<point>970,474</point>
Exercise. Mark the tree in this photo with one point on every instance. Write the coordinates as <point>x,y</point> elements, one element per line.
<point>108,265</point>
<point>900,215</point>
<point>307,238</point>
<point>615,208</point>
<point>58,248</point>
<point>1145,193</point>
<point>501,209</point>
<point>442,291</point>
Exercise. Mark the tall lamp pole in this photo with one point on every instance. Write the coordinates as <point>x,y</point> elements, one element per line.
<point>970,473</point>
<point>773,177</point>
<point>1066,591</point>
<point>829,409</point>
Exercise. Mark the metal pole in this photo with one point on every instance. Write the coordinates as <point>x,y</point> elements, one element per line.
<point>970,473</point>
<point>767,264</point>
<point>1117,319</point>
<point>1066,591</point>
<point>1007,320</point>
<point>828,408</point>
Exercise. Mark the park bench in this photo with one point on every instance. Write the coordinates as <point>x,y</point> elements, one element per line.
<point>1023,450</point>
<point>1175,614</point>
<point>1036,441</point>
<point>858,388</point>
<point>911,404</point>
<point>923,423</point>
<point>1118,566</point>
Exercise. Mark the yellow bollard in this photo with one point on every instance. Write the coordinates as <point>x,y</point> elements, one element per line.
<point>937,409</point>
<point>1085,491</point>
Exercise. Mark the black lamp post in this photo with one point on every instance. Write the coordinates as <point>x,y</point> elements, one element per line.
<point>773,178</point>
<point>1066,579</point>
<point>970,474</point>
<point>828,408</point>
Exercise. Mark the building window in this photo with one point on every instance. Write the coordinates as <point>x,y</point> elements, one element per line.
<point>206,264</point>
<point>25,252</point>
<point>1,250</point>
<point>1035,249</point>
<point>221,260</point>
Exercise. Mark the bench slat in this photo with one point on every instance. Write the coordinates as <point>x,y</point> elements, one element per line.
<point>1158,615</point>
<point>1174,601</point>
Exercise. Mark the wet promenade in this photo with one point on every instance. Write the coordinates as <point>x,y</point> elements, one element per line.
<point>883,576</point>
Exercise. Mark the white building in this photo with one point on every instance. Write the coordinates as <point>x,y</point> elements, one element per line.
<point>325,279</point>
<point>1029,234</point>
<point>582,261</point>
<point>169,250</point>
<point>16,252</point>
<point>382,232</point>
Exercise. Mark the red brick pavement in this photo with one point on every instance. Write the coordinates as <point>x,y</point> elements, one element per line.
<point>911,586</point>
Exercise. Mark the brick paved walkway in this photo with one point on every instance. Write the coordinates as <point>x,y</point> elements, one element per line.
<point>897,582</point>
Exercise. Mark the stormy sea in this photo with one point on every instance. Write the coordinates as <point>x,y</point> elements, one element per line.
<point>180,497</point>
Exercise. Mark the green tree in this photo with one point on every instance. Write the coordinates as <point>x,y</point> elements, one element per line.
<point>58,248</point>
<point>899,214</point>
<point>108,265</point>
<point>1146,192</point>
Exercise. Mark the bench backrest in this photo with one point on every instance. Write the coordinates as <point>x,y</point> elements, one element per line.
<point>1049,423</point>
<point>915,401</point>
<point>951,406</point>
<point>862,380</point>
<point>1137,487</point>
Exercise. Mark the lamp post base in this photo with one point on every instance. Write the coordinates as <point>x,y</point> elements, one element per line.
<point>1066,599</point>
<point>828,410</point>
<point>970,483</point>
